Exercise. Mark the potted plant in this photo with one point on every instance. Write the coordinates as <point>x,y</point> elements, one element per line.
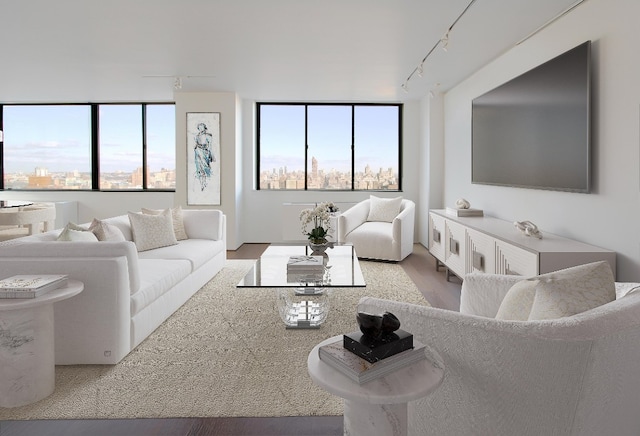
<point>319,219</point>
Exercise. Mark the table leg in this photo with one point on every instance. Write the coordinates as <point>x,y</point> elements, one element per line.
<point>27,361</point>
<point>362,419</point>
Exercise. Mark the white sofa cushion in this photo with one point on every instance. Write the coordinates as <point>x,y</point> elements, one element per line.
<point>152,231</point>
<point>384,209</point>
<point>518,301</point>
<point>157,276</point>
<point>573,290</point>
<point>196,251</point>
<point>176,216</point>
<point>73,232</point>
<point>105,231</point>
<point>122,222</point>
<point>559,294</point>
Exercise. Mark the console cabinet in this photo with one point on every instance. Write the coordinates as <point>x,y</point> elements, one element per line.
<point>491,245</point>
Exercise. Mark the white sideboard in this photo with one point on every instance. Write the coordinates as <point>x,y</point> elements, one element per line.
<point>491,245</point>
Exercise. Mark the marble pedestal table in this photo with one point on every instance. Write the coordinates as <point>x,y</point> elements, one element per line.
<point>27,357</point>
<point>378,407</point>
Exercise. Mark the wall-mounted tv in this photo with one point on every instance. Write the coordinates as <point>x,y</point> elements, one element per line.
<point>534,131</point>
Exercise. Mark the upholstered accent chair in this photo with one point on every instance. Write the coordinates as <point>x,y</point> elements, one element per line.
<point>379,228</point>
<point>574,375</point>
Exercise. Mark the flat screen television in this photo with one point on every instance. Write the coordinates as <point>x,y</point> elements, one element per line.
<point>534,131</point>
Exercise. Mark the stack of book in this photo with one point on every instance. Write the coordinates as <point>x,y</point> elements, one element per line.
<point>361,371</point>
<point>30,286</point>
<point>464,212</point>
<point>305,264</point>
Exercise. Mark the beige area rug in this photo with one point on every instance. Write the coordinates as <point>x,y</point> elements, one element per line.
<point>224,353</point>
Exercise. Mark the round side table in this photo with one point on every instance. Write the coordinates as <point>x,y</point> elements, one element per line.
<point>27,356</point>
<point>378,407</point>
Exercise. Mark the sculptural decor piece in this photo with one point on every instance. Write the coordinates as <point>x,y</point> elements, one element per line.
<point>528,228</point>
<point>377,326</point>
<point>379,337</point>
<point>461,203</point>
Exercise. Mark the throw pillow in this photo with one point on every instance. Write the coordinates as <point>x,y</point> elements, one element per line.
<point>573,290</point>
<point>384,209</point>
<point>516,305</point>
<point>74,232</point>
<point>178,221</point>
<point>105,231</point>
<point>152,231</point>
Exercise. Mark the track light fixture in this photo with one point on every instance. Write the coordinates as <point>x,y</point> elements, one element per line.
<point>177,83</point>
<point>419,70</point>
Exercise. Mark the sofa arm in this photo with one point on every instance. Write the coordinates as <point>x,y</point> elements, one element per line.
<point>61,250</point>
<point>352,218</point>
<point>482,294</point>
<point>205,224</point>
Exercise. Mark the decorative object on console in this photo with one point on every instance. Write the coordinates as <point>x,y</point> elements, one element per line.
<point>528,228</point>
<point>320,218</point>
<point>464,212</point>
<point>463,209</point>
<point>462,203</point>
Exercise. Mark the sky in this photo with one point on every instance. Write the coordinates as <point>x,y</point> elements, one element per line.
<point>58,137</point>
<point>282,137</point>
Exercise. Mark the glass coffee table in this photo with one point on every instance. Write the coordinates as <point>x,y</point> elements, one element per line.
<point>303,297</point>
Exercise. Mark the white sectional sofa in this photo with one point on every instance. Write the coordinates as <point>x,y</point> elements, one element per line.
<point>127,294</point>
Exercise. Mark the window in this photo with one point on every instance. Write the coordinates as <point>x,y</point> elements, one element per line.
<point>305,146</point>
<point>88,146</point>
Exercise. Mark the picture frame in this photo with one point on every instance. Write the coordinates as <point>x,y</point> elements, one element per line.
<point>203,158</point>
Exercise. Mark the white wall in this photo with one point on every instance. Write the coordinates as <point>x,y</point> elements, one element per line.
<point>608,216</point>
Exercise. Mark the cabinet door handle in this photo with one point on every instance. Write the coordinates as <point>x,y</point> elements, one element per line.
<point>478,261</point>
<point>436,236</point>
<point>453,246</point>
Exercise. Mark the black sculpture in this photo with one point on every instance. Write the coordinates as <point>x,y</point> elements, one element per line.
<point>377,326</point>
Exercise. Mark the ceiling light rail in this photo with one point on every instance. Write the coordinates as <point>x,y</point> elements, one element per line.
<point>419,70</point>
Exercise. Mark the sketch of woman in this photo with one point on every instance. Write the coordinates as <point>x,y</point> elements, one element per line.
<point>203,155</point>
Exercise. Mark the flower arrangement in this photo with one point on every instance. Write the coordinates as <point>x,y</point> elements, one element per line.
<point>319,218</point>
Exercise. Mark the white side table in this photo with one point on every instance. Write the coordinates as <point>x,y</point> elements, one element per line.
<point>378,407</point>
<point>27,356</point>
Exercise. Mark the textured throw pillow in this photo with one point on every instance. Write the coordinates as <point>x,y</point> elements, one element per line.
<point>178,221</point>
<point>384,209</point>
<point>152,231</point>
<point>516,305</point>
<point>105,231</point>
<point>74,232</point>
<point>573,290</point>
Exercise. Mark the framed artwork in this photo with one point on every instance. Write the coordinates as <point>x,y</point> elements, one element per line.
<point>203,158</point>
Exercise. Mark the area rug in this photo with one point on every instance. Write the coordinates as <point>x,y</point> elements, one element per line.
<point>225,353</point>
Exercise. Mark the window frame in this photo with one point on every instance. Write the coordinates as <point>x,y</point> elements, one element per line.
<point>306,105</point>
<point>94,108</point>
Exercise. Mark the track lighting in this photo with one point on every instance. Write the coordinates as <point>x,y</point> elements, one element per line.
<point>419,70</point>
<point>177,83</point>
<point>445,41</point>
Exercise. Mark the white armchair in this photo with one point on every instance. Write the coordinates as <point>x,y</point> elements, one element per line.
<point>383,240</point>
<point>578,375</point>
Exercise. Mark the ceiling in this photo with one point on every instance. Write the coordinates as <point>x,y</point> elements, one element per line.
<point>292,50</point>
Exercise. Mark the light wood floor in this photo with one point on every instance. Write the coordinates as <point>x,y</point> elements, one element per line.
<point>419,265</point>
